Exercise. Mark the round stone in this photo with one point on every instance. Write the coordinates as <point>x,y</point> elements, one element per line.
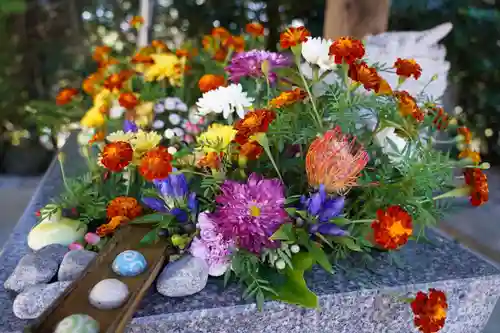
<point>129,263</point>
<point>108,294</point>
<point>77,323</point>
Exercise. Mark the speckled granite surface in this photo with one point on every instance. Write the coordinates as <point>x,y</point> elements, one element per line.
<point>356,299</point>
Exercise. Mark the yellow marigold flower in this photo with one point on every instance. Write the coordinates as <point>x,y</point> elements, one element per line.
<point>93,118</point>
<point>474,156</point>
<point>216,138</point>
<point>144,114</point>
<point>166,66</point>
<point>142,142</point>
<point>103,98</point>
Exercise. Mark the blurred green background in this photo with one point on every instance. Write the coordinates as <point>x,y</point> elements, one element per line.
<point>46,45</point>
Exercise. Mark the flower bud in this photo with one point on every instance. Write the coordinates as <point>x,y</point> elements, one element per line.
<point>295,248</point>
<point>280,264</point>
<point>92,238</point>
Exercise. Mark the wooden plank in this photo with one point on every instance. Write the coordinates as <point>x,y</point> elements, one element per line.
<point>75,298</point>
<point>356,18</point>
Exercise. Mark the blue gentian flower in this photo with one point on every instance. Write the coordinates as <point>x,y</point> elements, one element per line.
<point>129,126</point>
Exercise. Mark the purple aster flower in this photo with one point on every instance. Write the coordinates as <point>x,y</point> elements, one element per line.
<point>129,126</point>
<point>250,64</point>
<point>211,246</point>
<point>250,213</point>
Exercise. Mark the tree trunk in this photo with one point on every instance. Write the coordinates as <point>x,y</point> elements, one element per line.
<point>356,18</point>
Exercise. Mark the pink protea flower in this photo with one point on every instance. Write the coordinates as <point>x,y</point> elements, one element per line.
<point>75,246</point>
<point>211,246</point>
<point>92,238</point>
<point>250,213</point>
<point>335,161</point>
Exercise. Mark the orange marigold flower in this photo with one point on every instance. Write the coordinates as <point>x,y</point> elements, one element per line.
<point>123,206</point>
<point>384,88</point>
<point>429,310</point>
<point>477,182</point>
<point>137,22</point>
<point>287,98</point>
<point>250,150</point>
<point>207,42</point>
<point>210,82</point>
<point>220,55</point>
<point>255,29</point>
<point>293,36</point>
<point>392,228</point>
<point>367,76</point>
<point>466,133</point>
<point>221,33</point>
<point>141,58</point>
<point>441,119</point>
<point>159,46</point>
<point>89,84</point>
<point>66,95</point>
<point>211,160</point>
<point>472,155</point>
<point>111,226</point>
<point>101,53</point>
<point>254,122</point>
<point>237,43</point>
<point>98,137</point>
<point>114,81</point>
<point>182,53</point>
<point>335,160</point>
<point>155,164</point>
<point>128,100</point>
<point>408,106</point>
<point>117,155</point>
<point>407,68</point>
<point>347,49</point>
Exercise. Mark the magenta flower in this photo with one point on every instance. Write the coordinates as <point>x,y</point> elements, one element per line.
<point>250,213</point>
<point>92,238</point>
<point>250,64</point>
<point>75,246</point>
<point>211,247</point>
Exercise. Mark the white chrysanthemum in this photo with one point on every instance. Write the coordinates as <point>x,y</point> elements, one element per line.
<point>393,145</point>
<point>315,51</point>
<point>225,100</point>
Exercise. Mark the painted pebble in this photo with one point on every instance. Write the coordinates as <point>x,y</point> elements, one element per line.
<point>108,294</point>
<point>78,323</point>
<point>129,263</point>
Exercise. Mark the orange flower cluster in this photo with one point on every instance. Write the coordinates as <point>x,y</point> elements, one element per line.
<point>155,164</point>
<point>128,100</point>
<point>287,98</point>
<point>220,42</point>
<point>369,78</point>
<point>116,81</point>
<point>123,206</point>
<point>293,36</point>
<point>477,182</point>
<point>335,161</point>
<point>441,119</point>
<point>210,82</point>
<point>137,22</point>
<point>90,83</point>
<point>255,29</point>
<point>98,137</point>
<point>143,56</point>
<point>66,95</point>
<point>254,122</point>
<point>467,152</point>
<point>159,46</point>
<point>407,68</point>
<point>347,50</point>
<point>408,106</point>
<point>429,310</point>
<point>466,133</point>
<point>111,226</point>
<point>117,155</point>
<point>392,228</point>
<point>211,160</point>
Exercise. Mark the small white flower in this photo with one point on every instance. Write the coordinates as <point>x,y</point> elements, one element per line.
<point>116,111</point>
<point>158,124</point>
<point>315,51</point>
<point>170,103</point>
<point>178,131</point>
<point>225,100</point>
<point>159,108</point>
<point>392,144</point>
<point>169,133</point>
<point>295,248</point>
<point>182,107</point>
<point>174,119</point>
<point>172,150</point>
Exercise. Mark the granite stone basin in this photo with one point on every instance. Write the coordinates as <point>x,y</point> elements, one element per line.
<point>358,298</point>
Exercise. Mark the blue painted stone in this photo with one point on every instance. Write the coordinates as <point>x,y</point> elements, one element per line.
<point>129,263</point>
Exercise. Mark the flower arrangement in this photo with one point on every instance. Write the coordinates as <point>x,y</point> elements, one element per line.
<point>285,176</point>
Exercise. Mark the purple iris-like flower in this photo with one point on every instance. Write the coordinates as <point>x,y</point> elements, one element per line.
<point>324,207</point>
<point>250,213</point>
<point>174,186</point>
<point>250,64</point>
<point>129,126</point>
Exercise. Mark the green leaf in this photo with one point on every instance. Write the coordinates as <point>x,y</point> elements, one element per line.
<point>291,211</point>
<point>294,290</point>
<point>285,232</point>
<point>315,250</point>
<point>152,218</point>
<point>150,237</point>
<point>340,221</point>
<point>348,242</point>
<point>227,277</point>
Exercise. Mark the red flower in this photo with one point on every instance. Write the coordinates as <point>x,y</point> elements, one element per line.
<point>255,29</point>
<point>111,226</point>
<point>408,106</point>
<point>182,53</point>
<point>335,161</point>
<point>429,310</point>
<point>474,156</point>
<point>89,84</point>
<point>392,228</point>
<point>254,122</point>
<point>128,100</point>
<point>123,206</point>
<point>250,150</point>
<point>155,164</point>
<point>211,160</point>
<point>101,53</point>
<point>66,95</point>
<point>365,75</point>
<point>237,43</point>
<point>441,119</point>
<point>117,155</point>
<point>159,46</point>
<point>210,82</point>
<point>466,133</point>
<point>407,68</point>
<point>141,58</point>
<point>293,36</point>
<point>347,49</point>
<point>478,185</point>
<point>220,55</point>
<point>137,21</point>
<point>221,33</point>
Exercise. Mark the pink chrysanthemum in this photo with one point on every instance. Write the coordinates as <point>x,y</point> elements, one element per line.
<point>250,213</point>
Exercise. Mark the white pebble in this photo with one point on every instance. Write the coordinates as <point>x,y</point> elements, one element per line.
<point>108,294</point>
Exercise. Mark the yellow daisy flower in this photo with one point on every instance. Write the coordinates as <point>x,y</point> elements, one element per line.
<point>120,136</point>
<point>166,66</point>
<point>216,138</point>
<point>93,118</point>
<point>142,142</point>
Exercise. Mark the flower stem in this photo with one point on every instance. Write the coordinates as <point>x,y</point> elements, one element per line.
<point>315,109</point>
<point>264,142</point>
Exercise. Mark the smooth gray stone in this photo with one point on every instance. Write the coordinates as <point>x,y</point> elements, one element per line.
<point>36,267</point>
<point>108,294</point>
<point>32,302</point>
<point>74,263</point>
<point>183,277</point>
